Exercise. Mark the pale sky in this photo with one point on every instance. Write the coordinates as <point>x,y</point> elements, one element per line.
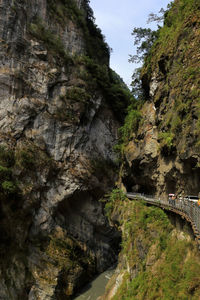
<point>116,19</point>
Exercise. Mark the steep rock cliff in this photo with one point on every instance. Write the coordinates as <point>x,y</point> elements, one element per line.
<point>162,156</point>
<point>58,124</point>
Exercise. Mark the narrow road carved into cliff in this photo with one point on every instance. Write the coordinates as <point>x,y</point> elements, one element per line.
<point>186,209</point>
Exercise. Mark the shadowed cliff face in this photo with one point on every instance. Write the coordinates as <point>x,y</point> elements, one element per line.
<point>56,132</point>
<point>163,156</point>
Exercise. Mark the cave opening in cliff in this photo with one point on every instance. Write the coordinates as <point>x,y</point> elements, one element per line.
<point>170,186</point>
<point>147,188</point>
<point>141,185</point>
<point>82,215</point>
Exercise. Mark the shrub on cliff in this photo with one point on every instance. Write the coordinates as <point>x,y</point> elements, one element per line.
<point>8,184</point>
<point>114,199</point>
<point>156,261</point>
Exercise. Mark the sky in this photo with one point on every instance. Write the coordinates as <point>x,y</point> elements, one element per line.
<point>116,19</point>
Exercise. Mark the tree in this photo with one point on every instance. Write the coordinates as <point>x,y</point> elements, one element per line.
<point>144,39</point>
<point>136,84</point>
<point>155,18</point>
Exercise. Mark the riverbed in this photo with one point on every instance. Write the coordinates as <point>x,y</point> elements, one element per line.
<point>96,287</point>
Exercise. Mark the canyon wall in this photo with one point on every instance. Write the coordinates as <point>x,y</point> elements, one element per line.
<point>162,155</point>
<point>58,124</point>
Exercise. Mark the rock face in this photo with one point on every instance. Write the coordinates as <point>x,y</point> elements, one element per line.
<point>163,156</point>
<point>57,131</point>
<point>159,258</point>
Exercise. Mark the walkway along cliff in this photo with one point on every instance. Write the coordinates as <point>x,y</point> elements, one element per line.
<point>159,258</point>
<point>160,155</point>
<point>60,110</point>
<point>188,210</point>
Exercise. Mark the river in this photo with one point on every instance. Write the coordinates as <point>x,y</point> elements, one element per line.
<point>96,287</point>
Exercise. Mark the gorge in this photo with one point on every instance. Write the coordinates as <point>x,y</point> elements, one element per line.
<point>73,140</point>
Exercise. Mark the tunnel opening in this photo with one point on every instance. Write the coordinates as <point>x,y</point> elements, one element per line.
<point>147,188</point>
<point>170,186</point>
<point>191,176</point>
<point>139,185</point>
<point>138,179</point>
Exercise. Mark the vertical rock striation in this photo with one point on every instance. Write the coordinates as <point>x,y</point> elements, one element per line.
<point>57,130</point>
<point>163,156</point>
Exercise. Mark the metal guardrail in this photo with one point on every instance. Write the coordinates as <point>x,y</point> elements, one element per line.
<point>188,209</point>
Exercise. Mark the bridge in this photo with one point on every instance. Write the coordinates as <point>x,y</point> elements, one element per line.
<point>186,209</point>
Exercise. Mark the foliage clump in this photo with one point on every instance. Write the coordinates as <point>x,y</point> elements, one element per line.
<point>130,127</point>
<point>51,40</point>
<point>8,184</point>
<point>116,197</point>
<point>27,159</point>
<point>64,10</point>
<point>100,77</point>
<point>155,261</point>
<point>166,142</point>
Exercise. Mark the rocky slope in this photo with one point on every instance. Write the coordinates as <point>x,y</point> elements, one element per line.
<point>162,155</point>
<point>58,124</point>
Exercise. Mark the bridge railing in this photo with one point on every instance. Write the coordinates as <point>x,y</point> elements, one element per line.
<point>182,206</point>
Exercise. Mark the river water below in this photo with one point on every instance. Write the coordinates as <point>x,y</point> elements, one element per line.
<point>96,288</point>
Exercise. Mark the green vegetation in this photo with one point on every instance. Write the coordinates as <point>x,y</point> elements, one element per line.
<point>73,105</point>
<point>51,40</point>
<point>29,157</point>
<point>6,156</point>
<point>176,30</point>
<point>176,277</point>
<point>131,123</point>
<point>77,94</point>
<point>116,197</point>
<point>93,66</point>
<point>166,142</point>
<point>144,38</point>
<point>8,184</point>
<point>67,253</point>
<point>179,35</point>
<point>99,77</point>
<point>171,53</point>
<point>161,263</point>
<point>130,127</point>
<point>62,252</point>
<point>14,167</point>
<point>63,10</point>
<point>9,187</point>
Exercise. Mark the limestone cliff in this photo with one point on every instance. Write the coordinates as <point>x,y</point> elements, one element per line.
<point>162,155</point>
<point>58,123</point>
